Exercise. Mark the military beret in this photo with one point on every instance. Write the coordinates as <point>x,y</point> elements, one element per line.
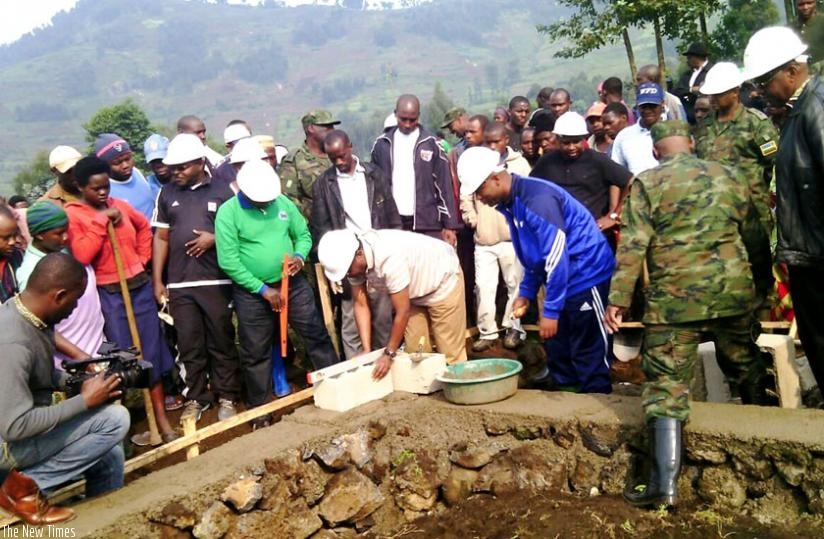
<point>318,117</point>
<point>451,115</point>
<point>671,128</point>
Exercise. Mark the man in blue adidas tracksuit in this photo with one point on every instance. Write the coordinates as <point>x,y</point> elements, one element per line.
<point>559,244</point>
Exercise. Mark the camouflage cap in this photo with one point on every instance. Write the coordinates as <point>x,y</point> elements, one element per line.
<point>671,128</point>
<point>318,117</point>
<point>451,115</point>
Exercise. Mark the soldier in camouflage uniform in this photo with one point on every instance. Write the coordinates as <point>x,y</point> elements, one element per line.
<point>301,168</point>
<point>684,220</point>
<point>746,139</point>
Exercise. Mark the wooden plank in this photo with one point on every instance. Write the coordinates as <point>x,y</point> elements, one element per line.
<point>190,427</point>
<point>788,381</point>
<point>150,457</point>
<point>326,306</point>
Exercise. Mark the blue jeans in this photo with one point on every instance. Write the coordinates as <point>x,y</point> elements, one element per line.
<point>256,329</point>
<point>87,444</point>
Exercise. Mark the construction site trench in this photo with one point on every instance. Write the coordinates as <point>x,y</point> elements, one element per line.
<point>539,464</point>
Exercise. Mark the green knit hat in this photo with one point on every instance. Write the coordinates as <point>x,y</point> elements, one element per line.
<point>42,216</point>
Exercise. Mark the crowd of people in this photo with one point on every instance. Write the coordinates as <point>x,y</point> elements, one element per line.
<point>662,213</point>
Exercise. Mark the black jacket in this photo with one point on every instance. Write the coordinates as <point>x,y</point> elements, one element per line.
<point>800,180</point>
<point>435,205</point>
<point>327,204</point>
<point>682,90</point>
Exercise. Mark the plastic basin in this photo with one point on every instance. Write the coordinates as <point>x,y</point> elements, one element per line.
<point>480,381</point>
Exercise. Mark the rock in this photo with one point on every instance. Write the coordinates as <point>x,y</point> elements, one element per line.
<point>350,496</point>
<point>289,467</point>
<point>593,492</point>
<point>377,428</point>
<point>563,436</point>
<point>215,522</point>
<point>496,426</point>
<point>276,494</point>
<point>790,461</point>
<point>174,514</point>
<point>416,481</point>
<point>312,484</point>
<point>334,454</point>
<point>687,482</point>
<point>299,524</point>
<point>523,468</point>
<point>706,449</point>
<point>613,473</point>
<point>778,507</point>
<point>497,477</point>
<point>750,461</point>
<point>602,440</point>
<point>458,484</point>
<point>527,432</point>
<point>474,456</point>
<point>243,494</point>
<point>719,486</point>
<point>813,487</point>
<point>345,533</point>
<point>585,475</point>
<point>357,445</point>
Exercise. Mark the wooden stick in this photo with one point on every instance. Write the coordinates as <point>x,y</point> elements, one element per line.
<point>154,434</point>
<point>189,428</point>
<point>284,306</point>
<point>152,456</point>
<point>326,306</point>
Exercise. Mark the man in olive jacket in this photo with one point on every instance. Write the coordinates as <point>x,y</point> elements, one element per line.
<point>354,195</point>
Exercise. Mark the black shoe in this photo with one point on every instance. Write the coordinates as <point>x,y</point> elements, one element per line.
<point>662,486</point>
<point>512,339</point>
<point>261,422</point>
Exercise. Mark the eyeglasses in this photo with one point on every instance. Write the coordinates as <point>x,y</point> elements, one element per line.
<point>765,79</point>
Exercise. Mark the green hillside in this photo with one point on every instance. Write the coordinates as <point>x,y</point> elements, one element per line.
<point>269,65</point>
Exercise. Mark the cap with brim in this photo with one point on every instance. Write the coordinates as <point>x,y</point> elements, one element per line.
<point>63,158</point>
<point>475,165</point>
<point>722,77</point>
<point>571,124</point>
<point>235,132</point>
<point>265,141</point>
<point>671,128</point>
<point>318,117</point>
<point>258,181</point>
<point>245,150</point>
<point>451,115</point>
<point>697,49</point>
<point>597,109</point>
<point>184,148</point>
<point>649,93</point>
<point>336,250</point>
<point>155,147</point>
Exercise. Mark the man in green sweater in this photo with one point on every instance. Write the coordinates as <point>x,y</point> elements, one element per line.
<point>253,231</point>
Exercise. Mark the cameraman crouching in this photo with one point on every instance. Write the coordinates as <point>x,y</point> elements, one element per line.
<point>45,444</point>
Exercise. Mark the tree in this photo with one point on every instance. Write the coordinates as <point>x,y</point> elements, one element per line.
<point>35,178</point>
<point>126,119</point>
<point>437,108</point>
<point>740,21</point>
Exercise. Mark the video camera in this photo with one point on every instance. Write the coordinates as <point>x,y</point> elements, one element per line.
<point>133,372</point>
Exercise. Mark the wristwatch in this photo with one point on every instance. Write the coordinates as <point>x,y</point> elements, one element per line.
<point>389,354</point>
<point>614,216</point>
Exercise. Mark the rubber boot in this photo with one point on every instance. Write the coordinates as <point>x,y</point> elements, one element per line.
<point>20,496</point>
<point>279,381</point>
<point>666,446</point>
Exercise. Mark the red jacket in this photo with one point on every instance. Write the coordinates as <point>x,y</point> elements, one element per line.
<point>89,239</point>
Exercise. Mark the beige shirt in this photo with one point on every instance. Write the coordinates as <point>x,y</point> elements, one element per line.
<point>397,259</point>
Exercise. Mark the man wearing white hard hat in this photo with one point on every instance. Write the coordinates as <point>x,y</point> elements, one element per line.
<point>775,60</point>
<point>198,292</point>
<point>559,245</point>
<point>235,131</point>
<point>254,230</point>
<point>592,178</point>
<point>244,150</point>
<point>424,281</point>
<point>745,139</point>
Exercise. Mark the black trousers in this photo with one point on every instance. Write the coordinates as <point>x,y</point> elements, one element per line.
<point>807,290</point>
<point>206,341</point>
<point>256,327</point>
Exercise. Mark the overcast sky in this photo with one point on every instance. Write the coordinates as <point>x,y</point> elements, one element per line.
<point>21,16</point>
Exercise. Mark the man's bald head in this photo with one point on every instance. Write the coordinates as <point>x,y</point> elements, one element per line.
<point>193,125</point>
<point>407,102</point>
<point>336,137</point>
<point>57,271</point>
<point>408,113</point>
<point>648,73</point>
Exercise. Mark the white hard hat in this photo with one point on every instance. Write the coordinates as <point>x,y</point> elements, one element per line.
<point>183,148</point>
<point>571,124</point>
<point>721,77</point>
<point>235,132</point>
<point>258,181</point>
<point>770,48</point>
<point>246,149</point>
<point>336,250</point>
<point>474,167</point>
